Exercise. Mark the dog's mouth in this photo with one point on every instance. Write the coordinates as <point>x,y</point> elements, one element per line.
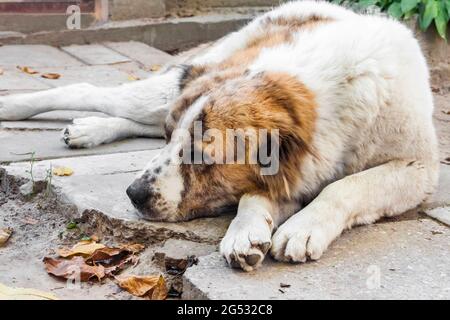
<point>150,215</point>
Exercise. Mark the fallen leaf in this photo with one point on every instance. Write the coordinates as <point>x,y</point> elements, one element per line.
<point>52,76</point>
<point>132,77</point>
<point>83,248</point>
<point>8,293</point>
<point>5,234</point>
<point>62,171</point>
<point>152,287</point>
<point>1,71</point>
<point>27,70</point>
<point>75,268</point>
<point>155,67</point>
<point>71,225</point>
<point>115,259</point>
<point>133,248</point>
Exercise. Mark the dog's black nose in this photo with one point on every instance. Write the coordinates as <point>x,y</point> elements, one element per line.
<point>138,193</point>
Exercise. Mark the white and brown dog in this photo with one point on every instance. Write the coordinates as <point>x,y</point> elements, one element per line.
<point>349,95</point>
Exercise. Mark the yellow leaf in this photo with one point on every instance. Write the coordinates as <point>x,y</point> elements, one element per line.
<point>83,248</point>
<point>7,293</point>
<point>155,67</point>
<point>152,287</point>
<point>27,70</point>
<point>52,76</point>
<point>5,234</point>
<point>132,77</point>
<point>62,171</point>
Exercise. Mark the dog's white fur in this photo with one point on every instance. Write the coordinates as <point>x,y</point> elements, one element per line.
<point>374,135</point>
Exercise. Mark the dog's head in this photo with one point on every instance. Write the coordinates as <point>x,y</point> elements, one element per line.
<point>227,136</point>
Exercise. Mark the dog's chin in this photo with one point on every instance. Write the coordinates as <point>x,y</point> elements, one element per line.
<point>191,215</point>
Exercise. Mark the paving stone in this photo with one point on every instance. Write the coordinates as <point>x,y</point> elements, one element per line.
<point>17,145</point>
<point>141,52</point>
<point>401,260</point>
<point>94,54</point>
<point>35,56</point>
<point>441,197</point>
<point>97,190</point>
<point>33,125</point>
<point>102,75</point>
<point>441,214</point>
<point>13,79</point>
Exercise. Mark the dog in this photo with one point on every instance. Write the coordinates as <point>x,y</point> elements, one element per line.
<point>348,95</point>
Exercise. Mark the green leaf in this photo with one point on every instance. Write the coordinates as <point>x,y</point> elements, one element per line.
<point>430,12</point>
<point>408,5</point>
<point>441,20</point>
<point>447,4</point>
<point>71,225</point>
<point>367,3</point>
<point>395,10</point>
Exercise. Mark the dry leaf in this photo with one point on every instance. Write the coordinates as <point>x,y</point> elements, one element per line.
<point>27,70</point>
<point>82,248</point>
<point>1,71</point>
<point>62,171</point>
<point>74,269</point>
<point>115,259</point>
<point>155,67</point>
<point>133,248</point>
<point>29,220</point>
<point>8,293</point>
<point>152,287</point>
<point>52,76</point>
<point>132,77</point>
<point>5,234</point>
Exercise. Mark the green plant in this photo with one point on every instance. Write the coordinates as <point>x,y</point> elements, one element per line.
<point>427,11</point>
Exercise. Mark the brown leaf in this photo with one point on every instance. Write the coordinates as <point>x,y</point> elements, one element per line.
<point>27,70</point>
<point>82,248</point>
<point>5,234</point>
<point>155,68</point>
<point>1,71</point>
<point>52,76</point>
<point>133,248</point>
<point>75,268</point>
<point>152,287</point>
<point>29,220</point>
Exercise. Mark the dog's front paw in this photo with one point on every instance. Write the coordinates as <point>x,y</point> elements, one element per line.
<point>246,244</point>
<point>86,133</point>
<point>304,236</point>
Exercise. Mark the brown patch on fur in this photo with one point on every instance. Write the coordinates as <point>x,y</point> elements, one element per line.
<point>267,101</point>
<point>295,23</point>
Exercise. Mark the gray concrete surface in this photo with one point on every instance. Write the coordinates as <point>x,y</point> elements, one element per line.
<point>401,260</point>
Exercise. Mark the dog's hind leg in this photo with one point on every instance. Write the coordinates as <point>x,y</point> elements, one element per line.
<point>143,101</point>
<point>93,131</point>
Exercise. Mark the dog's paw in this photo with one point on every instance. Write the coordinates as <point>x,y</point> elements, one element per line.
<point>302,237</point>
<point>245,245</point>
<point>85,133</point>
<point>14,108</point>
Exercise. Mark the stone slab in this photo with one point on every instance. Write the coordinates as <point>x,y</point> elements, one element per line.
<point>17,145</point>
<point>97,190</point>
<point>14,79</point>
<point>95,54</point>
<point>35,56</point>
<point>441,197</point>
<point>441,214</point>
<point>33,125</point>
<point>141,52</point>
<point>401,260</point>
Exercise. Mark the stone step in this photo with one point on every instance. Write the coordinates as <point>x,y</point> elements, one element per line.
<point>97,192</point>
<point>398,260</point>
